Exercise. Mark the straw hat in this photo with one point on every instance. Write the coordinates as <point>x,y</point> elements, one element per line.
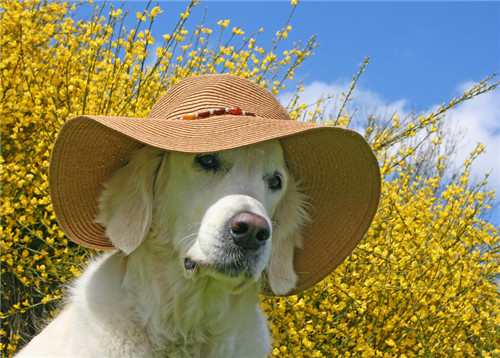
<point>338,169</point>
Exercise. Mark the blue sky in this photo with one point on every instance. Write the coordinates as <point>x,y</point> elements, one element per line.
<point>422,54</point>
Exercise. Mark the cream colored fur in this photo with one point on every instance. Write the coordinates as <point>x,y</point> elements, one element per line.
<point>159,210</point>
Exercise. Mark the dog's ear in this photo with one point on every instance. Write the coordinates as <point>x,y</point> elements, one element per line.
<point>126,204</point>
<point>291,215</point>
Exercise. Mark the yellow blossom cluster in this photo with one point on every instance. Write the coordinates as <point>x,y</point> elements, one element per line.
<point>423,281</point>
<point>54,67</point>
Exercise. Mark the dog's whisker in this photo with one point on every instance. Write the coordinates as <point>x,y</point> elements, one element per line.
<point>180,243</point>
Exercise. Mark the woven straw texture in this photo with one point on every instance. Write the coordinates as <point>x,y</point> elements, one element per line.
<point>337,168</point>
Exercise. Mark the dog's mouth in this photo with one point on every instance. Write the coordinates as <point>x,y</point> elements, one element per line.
<point>233,277</point>
<point>231,269</point>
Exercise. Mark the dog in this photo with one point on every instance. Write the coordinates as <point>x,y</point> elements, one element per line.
<point>197,237</point>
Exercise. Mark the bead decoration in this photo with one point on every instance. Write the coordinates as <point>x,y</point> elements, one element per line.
<point>235,111</point>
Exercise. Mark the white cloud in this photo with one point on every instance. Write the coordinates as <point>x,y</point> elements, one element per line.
<point>479,118</point>
<point>367,101</point>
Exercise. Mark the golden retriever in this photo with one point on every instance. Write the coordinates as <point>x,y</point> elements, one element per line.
<point>197,235</point>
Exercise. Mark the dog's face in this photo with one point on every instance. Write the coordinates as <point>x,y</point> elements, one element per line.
<point>224,204</point>
<point>230,214</point>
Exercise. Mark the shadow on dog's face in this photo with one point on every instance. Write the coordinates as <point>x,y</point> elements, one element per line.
<point>231,215</point>
<point>218,208</point>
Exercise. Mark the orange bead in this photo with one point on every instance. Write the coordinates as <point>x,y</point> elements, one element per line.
<point>189,116</point>
<point>235,111</point>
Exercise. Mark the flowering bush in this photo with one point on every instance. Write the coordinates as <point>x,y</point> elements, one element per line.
<point>422,283</point>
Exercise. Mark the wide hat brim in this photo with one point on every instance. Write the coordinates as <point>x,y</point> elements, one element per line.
<point>336,167</point>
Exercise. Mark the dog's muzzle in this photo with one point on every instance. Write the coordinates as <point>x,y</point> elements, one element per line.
<point>237,248</point>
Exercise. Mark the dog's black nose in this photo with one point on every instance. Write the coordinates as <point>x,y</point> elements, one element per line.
<point>249,231</point>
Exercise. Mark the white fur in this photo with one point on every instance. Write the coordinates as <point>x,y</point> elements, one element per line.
<point>161,209</point>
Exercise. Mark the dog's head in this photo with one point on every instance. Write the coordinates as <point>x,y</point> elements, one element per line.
<point>232,214</point>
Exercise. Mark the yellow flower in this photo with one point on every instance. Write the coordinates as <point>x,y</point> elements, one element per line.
<point>223,23</point>
<point>155,11</point>
<point>140,16</point>
<point>238,31</point>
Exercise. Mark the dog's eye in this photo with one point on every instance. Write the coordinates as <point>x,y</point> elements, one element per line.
<point>208,161</point>
<point>274,182</point>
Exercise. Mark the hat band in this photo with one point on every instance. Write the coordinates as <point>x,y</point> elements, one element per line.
<point>215,112</point>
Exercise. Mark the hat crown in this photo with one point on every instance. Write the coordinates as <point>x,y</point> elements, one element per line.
<point>205,92</point>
